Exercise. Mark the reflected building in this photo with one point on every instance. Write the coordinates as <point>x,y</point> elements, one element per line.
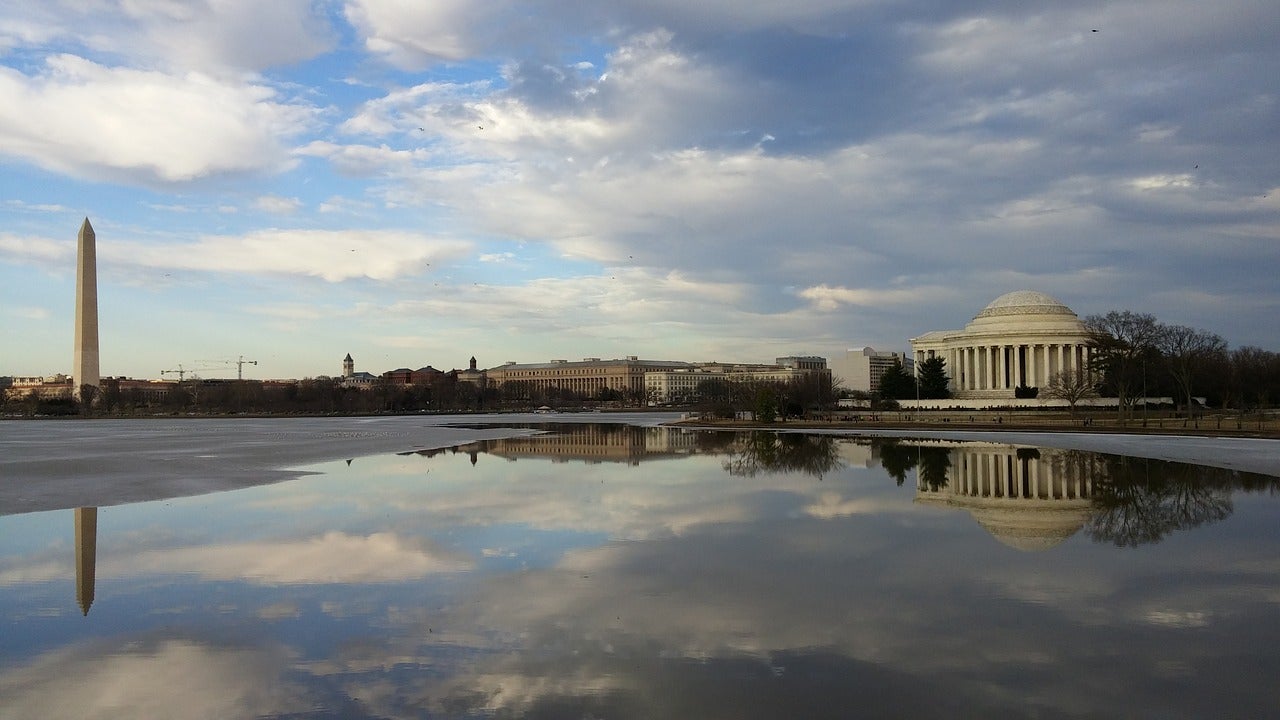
<point>86,556</point>
<point>859,453</point>
<point>1027,498</point>
<point>592,443</point>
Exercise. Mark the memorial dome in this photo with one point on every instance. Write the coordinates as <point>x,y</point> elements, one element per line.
<point>1024,309</point>
<point>1034,528</point>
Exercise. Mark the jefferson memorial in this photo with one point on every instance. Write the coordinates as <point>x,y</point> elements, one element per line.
<point>1021,338</point>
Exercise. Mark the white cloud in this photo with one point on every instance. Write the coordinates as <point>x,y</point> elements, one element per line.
<point>331,558</point>
<point>37,207</point>
<point>363,160</point>
<point>139,126</point>
<point>413,35</point>
<point>293,312</point>
<point>334,255</point>
<point>207,35</point>
<point>338,204</point>
<point>1161,182</point>
<point>36,249</point>
<point>232,33</point>
<point>278,205</point>
<point>169,678</point>
<point>829,298</point>
<point>30,313</point>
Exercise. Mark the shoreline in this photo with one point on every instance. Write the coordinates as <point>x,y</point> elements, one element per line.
<point>1244,453</point>
<point>1270,430</point>
<point>67,463</point>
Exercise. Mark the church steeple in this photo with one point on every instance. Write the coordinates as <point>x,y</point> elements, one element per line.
<point>348,366</point>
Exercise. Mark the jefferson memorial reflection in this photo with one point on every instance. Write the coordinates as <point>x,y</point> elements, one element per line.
<point>1029,499</point>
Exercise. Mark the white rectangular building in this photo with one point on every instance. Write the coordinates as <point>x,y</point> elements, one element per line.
<point>861,369</point>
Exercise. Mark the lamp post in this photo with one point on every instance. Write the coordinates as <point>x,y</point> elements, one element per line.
<point>915,374</point>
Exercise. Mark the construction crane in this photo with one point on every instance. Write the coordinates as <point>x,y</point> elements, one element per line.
<point>182,372</point>
<point>240,366</point>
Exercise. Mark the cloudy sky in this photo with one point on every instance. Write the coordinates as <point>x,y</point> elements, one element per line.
<point>416,183</point>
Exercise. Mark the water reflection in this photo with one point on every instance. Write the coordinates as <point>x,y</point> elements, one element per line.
<point>567,575</point>
<point>1144,501</point>
<point>1028,498</point>
<point>1033,499</point>
<point>565,442</point>
<point>86,556</point>
<point>763,452</point>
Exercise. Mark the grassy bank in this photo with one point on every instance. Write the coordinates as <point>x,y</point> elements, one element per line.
<point>1226,425</point>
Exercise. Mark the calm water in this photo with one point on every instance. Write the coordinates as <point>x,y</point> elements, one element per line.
<point>617,572</point>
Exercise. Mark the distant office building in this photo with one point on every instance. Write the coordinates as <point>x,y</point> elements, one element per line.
<point>45,387</point>
<point>861,370</point>
<point>681,385</point>
<point>588,377</point>
<point>677,385</point>
<point>802,362</point>
<point>405,376</point>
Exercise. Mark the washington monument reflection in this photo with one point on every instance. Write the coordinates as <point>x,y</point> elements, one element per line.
<point>86,555</point>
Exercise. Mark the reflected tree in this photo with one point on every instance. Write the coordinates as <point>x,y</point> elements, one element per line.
<point>760,452</point>
<point>934,464</point>
<point>897,459</point>
<point>1142,501</point>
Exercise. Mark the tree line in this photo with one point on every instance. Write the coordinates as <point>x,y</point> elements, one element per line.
<point>1136,356</point>
<point>768,401</point>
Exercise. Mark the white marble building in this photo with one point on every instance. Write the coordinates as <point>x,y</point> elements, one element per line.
<point>1020,339</point>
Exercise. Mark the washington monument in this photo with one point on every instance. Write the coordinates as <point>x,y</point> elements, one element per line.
<point>84,365</point>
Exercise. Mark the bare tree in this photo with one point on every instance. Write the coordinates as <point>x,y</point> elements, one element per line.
<point>1120,342</point>
<point>88,397</point>
<point>1258,373</point>
<point>1187,350</point>
<point>1071,386</point>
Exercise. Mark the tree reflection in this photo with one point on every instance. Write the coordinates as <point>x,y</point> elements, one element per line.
<point>1143,501</point>
<point>934,463</point>
<point>758,452</point>
<point>898,459</point>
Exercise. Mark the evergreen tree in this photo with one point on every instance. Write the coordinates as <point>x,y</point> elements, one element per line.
<point>933,379</point>
<point>896,384</point>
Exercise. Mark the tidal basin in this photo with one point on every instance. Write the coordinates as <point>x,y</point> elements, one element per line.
<point>562,567</point>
